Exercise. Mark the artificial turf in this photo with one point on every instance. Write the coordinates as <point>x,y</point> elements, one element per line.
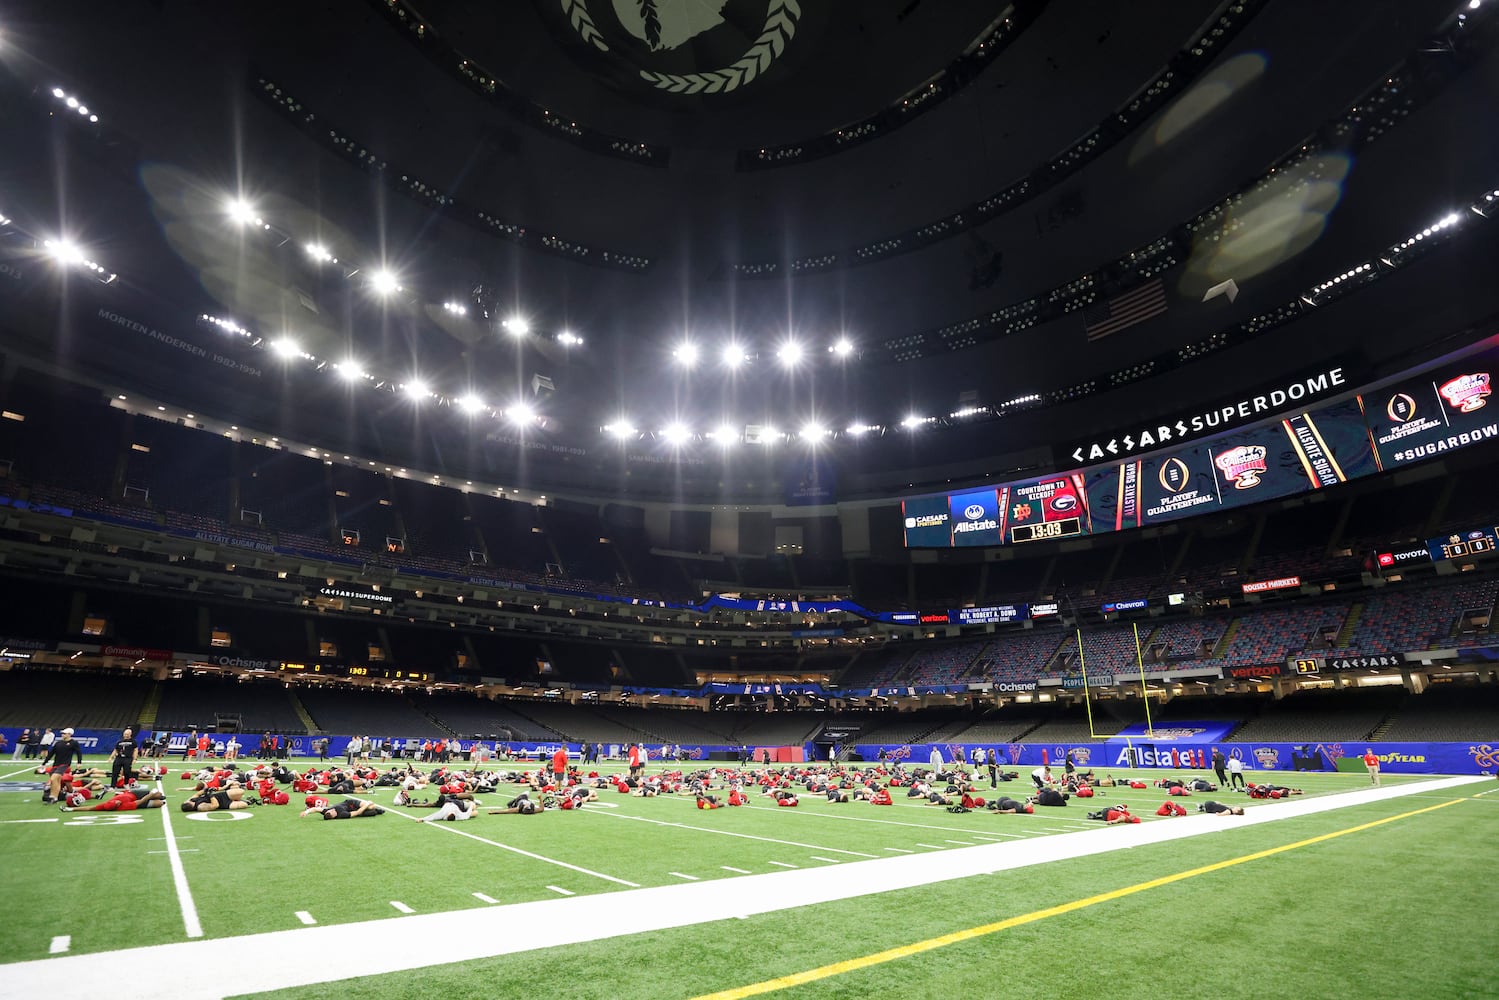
<point>1292,923</point>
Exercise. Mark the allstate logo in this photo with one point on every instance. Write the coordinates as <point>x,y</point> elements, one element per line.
<point>973,511</point>
<point>1269,757</point>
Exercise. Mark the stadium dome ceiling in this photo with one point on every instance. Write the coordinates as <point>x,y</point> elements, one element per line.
<point>748,171</point>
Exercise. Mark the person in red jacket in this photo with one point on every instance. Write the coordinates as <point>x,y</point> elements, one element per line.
<point>1371,761</point>
<point>559,767</point>
<point>1171,809</point>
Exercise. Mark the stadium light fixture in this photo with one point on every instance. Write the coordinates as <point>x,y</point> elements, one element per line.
<point>569,339</point>
<point>675,433</point>
<point>384,282</point>
<point>790,354</point>
<point>520,414</point>
<point>686,354</point>
<point>470,403</point>
<point>286,347</point>
<point>349,370</point>
<point>243,213</point>
<point>65,252</point>
<point>841,348</point>
<point>621,429</point>
<point>456,308</point>
<point>813,432</point>
<point>320,253</point>
<point>726,436</point>
<point>914,421</point>
<point>417,390</point>
<point>733,355</point>
<point>516,326</point>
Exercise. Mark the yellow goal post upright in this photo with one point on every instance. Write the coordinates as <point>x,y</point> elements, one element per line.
<point>1088,697</point>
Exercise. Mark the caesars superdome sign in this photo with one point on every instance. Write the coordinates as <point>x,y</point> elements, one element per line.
<point>677,46</point>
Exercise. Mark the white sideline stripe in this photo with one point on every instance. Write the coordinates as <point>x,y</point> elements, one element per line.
<point>21,771</point>
<point>831,861</point>
<point>401,906</point>
<point>690,878</point>
<point>484,899</point>
<point>466,935</point>
<point>935,847</point>
<point>190,922</point>
<point>305,917</point>
<point>60,944</point>
<point>780,864</point>
<point>899,850</point>
<point>965,843</point>
<point>450,828</point>
<point>994,836</point>
<point>729,869</point>
<point>731,833</point>
<point>558,888</point>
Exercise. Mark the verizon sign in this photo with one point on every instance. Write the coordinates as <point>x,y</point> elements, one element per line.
<point>1279,583</point>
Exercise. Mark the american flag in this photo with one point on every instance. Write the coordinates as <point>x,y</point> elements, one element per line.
<point>1123,311</point>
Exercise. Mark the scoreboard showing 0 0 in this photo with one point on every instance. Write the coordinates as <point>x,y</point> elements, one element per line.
<point>1046,529</point>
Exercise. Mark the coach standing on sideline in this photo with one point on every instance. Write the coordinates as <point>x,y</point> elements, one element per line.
<point>122,761</point>
<point>1219,764</point>
<point>65,753</point>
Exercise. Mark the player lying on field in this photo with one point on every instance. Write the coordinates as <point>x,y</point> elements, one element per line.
<point>125,800</point>
<point>1006,806</point>
<point>347,809</point>
<point>209,800</point>
<point>1219,808</point>
<point>523,805</point>
<point>1272,791</point>
<point>1114,815</point>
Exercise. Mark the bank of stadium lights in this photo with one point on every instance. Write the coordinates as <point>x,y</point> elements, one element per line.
<point>288,348</point>
<point>841,348</point>
<point>916,422</point>
<point>676,433</point>
<point>320,253</point>
<point>226,325</point>
<point>417,390</point>
<point>790,354</point>
<point>520,414</point>
<point>516,326</point>
<point>351,371</point>
<point>74,105</point>
<point>859,430</point>
<point>455,308</point>
<point>812,432</point>
<point>69,254</point>
<point>686,354</point>
<point>732,355</point>
<point>725,436</point>
<point>620,429</point>
<point>244,214</point>
<point>569,339</point>
<point>470,403</point>
<point>384,282</point>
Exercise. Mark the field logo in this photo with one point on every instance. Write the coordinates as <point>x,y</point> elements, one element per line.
<point>1243,465</point>
<point>1467,392</point>
<point>1015,750</point>
<point>1400,409</point>
<point>1484,755</point>
<point>1268,757</point>
<point>1174,475</point>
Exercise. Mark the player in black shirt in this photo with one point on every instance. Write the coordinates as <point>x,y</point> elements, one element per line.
<point>64,754</point>
<point>122,761</point>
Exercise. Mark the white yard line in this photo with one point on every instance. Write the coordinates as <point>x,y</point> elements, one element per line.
<point>305,917</point>
<point>831,861</point>
<point>733,833</point>
<point>190,922</point>
<point>558,888</point>
<point>780,864</point>
<point>690,878</point>
<point>483,898</point>
<point>899,850</point>
<point>23,770</point>
<point>450,828</point>
<point>739,871</point>
<point>401,906</point>
<point>60,944</point>
<point>466,935</point>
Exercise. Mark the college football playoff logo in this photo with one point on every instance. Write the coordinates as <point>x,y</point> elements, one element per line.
<point>1174,475</point>
<point>1400,409</point>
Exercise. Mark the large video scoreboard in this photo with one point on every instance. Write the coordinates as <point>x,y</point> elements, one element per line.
<point>1416,416</point>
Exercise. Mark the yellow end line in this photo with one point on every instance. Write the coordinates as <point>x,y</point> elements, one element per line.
<point>956,937</point>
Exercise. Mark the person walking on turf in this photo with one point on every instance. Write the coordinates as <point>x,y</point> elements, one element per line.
<point>65,753</point>
<point>1219,763</point>
<point>1371,761</point>
<point>991,760</point>
<point>122,761</point>
<point>1236,773</point>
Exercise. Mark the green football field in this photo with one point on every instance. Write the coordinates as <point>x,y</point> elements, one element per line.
<point>1383,898</point>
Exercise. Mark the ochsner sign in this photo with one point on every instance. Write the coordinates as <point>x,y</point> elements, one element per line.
<point>1138,439</point>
